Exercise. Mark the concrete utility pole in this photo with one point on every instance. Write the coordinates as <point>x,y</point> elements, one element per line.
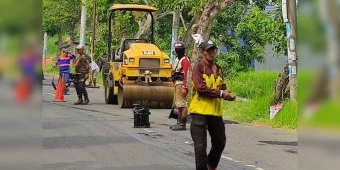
<point>174,34</point>
<point>44,51</point>
<point>83,24</point>
<point>292,47</point>
<point>93,29</point>
<point>331,20</point>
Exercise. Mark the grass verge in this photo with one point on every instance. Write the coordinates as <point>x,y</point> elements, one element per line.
<point>255,90</point>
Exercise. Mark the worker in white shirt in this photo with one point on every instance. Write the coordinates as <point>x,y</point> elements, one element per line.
<point>94,73</point>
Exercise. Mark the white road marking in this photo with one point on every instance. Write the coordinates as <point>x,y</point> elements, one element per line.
<point>259,168</point>
<point>231,159</point>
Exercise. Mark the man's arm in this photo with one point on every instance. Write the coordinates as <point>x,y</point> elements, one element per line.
<point>88,66</point>
<point>88,58</point>
<point>57,62</point>
<point>200,86</point>
<point>185,66</point>
<point>72,57</point>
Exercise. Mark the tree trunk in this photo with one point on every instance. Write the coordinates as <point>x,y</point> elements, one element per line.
<point>143,27</point>
<point>192,28</point>
<point>202,22</point>
<point>281,87</point>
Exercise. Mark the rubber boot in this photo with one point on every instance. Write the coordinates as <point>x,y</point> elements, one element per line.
<point>80,100</point>
<point>181,125</point>
<point>86,99</point>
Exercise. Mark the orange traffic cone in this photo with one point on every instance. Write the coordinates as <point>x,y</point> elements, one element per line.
<point>59,93</point>
<point>22,91</point>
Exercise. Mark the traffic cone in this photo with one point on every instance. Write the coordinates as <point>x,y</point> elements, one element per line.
<point>59,93</point>
<point>22,91</point>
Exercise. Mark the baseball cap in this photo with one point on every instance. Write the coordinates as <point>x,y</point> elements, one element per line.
<point>206,45</point>
<point>179,45</point>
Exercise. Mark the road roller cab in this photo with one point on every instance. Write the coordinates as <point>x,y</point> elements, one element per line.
<point>140,73</point>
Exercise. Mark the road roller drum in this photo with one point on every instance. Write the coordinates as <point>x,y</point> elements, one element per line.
<point>148,96</point>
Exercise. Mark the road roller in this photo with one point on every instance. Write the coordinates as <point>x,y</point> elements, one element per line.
<point>139,72</point>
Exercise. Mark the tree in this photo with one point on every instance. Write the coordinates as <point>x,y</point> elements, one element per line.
<point>244,32</point>
<point>60,17</point>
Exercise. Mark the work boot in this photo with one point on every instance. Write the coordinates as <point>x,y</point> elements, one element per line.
<point>80,101</point>
<point>86,99</point>
<point>181,124</point>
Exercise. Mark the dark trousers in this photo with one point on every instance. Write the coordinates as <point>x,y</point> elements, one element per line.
<point>79,85</point>
<point>200,124</point>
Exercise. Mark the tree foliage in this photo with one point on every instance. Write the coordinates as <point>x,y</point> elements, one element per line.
<point>61,16</point>
<point>243,32</point>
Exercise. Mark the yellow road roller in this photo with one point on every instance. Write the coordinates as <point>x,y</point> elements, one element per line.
<point>139,72</point>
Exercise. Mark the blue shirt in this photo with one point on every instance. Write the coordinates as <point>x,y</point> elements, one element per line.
<point>64,62</point>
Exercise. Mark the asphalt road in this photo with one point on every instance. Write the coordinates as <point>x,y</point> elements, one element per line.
<point>101,137</point>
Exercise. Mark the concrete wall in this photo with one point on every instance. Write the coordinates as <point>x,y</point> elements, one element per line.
<point>308,60</point>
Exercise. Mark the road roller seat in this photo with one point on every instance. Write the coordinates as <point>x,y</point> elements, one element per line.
<point>126,45</point>
<point>127,42</point>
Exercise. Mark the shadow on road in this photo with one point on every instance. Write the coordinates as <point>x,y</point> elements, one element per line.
<point>293,143</point>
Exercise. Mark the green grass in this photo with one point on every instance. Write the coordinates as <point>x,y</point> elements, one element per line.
<point>255,90</point>
<point>326,116</point>
<point>51,47</point>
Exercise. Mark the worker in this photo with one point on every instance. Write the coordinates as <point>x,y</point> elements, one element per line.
<point>103,67</point>
<point>180,77</point>
<point>94,73</point>
<point>82,68</point>
<point>64,62</point>
<point>205,108</point>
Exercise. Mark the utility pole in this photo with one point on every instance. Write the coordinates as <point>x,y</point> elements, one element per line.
<point>332,22</point>
<point>93,39</point>
<point>83,24</point>
<point>44,51</point>
<point>291,26</point>
<point>175,25</point>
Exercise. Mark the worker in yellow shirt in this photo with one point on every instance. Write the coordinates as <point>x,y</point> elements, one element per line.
<point>205,108</point>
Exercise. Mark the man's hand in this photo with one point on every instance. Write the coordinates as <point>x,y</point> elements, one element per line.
<point>184,91</point>
<point>226,95</point>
